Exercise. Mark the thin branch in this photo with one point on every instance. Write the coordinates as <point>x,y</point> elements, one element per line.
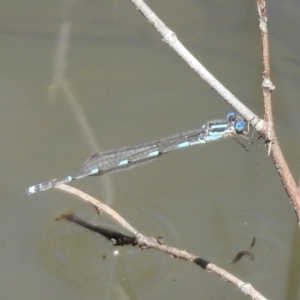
<point>171,39</point>
<point>98,205</point>
<point>267,87</point>
<point>145,242</point>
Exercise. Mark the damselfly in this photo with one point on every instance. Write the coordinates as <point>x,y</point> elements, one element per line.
<point>130,157</point>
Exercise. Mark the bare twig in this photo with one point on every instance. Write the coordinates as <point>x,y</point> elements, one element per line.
<point>99,206</point>
<point>267,87</point>
<point>171,39</point>
<point>145,242</point>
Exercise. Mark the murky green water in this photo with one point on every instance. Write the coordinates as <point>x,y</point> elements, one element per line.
<point>78,77</point>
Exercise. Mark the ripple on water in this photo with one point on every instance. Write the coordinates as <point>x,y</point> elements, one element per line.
<point>268,249</point>
<point>85,258</point>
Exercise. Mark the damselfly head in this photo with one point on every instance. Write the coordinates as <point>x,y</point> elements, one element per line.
<point>237,122</point>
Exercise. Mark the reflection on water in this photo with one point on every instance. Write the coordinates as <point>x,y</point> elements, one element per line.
<point>79,256</point>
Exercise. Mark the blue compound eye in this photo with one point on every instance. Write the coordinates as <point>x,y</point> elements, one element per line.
<point>240,126</point>
<point>231,118</point>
